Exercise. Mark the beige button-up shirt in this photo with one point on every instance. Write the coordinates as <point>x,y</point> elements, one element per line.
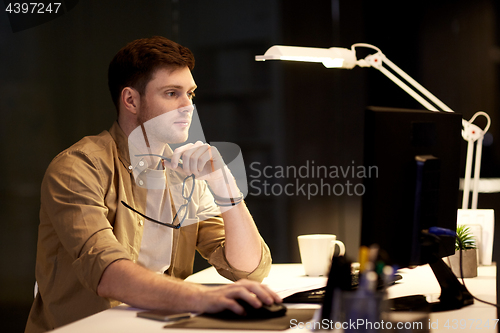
<point>84,228</point>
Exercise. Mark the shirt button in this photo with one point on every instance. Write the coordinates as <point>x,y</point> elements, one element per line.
<point>130,167</point>
<point>141,182</point>
<point>141,222</point>
<point>141,163</point>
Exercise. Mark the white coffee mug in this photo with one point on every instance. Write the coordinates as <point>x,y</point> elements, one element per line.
<point>316,252</point>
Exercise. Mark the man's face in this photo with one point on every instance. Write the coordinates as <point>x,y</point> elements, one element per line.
<point>167,95</point>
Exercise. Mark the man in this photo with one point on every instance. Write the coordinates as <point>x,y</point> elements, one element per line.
<point>95,252</point>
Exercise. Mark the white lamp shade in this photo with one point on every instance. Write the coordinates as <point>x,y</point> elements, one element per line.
<point>334,57</point>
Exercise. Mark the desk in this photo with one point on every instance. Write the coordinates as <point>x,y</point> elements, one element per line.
<point>420,280</point>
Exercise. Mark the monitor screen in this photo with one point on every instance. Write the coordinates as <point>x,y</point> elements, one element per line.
<point>416,157</point>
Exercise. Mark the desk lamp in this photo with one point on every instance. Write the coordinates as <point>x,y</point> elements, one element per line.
<point>336,57</point>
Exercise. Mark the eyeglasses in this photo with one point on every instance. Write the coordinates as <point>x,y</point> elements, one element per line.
<point>187,194</point>
<point>162,157</point>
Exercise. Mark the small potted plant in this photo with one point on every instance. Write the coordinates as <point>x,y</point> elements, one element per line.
<point>466,243</point>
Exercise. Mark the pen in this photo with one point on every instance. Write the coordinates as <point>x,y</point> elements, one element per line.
<point>363,258</point>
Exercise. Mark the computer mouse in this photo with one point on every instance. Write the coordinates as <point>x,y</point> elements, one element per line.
<point>265,311</point>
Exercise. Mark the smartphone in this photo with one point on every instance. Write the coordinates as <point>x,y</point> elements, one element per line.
<point>161,316</point>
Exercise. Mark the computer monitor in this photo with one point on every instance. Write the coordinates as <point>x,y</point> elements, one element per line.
<point>414,158</point>
<point>393,141</point>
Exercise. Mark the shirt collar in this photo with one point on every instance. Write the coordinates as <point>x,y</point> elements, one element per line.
<point>122,144</point>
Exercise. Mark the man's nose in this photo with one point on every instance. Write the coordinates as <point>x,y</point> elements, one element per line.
<point>186,109</point>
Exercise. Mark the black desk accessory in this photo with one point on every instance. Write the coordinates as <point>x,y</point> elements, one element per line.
<point>264,312</point>
<point>316,296</point>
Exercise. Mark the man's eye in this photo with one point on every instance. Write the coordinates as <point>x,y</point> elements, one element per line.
<point>191,95</point>
<point>170,93</point>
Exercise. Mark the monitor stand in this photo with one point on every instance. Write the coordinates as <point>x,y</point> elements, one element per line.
<point>425,248</point>
<point>453,296</point>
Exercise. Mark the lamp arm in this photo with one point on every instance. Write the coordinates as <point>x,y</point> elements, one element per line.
<point>477,168</point>
<point>378,59</point>
<point>467,177</point>
<point>474,135</point>
<point>418,86</point>
<point>406,88</point>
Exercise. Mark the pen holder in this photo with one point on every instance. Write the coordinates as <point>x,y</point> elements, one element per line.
<point>364,308</point>
<point>348,310</point>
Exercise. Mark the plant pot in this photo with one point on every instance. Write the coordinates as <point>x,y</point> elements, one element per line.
<point>469,263</point>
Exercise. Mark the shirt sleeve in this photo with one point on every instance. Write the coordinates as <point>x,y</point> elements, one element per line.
<point>219,261</point>
<point>211,244</point>
<point>73,192</point>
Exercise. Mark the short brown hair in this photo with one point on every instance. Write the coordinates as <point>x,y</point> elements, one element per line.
<point>134,65</point>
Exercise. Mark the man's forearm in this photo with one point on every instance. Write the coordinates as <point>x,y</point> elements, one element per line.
<point>243,242</point>
<point>136,286</point>
<point>132,284</point>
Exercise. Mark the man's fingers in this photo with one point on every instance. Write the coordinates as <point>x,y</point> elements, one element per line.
<point>176,156</point>
<point>197,159</point>
<point>251,292</point>
<point>275,297</point>
<point>221,298</point>
<point>181,151</point>
<point>203,160</point>
<point>261,291</point>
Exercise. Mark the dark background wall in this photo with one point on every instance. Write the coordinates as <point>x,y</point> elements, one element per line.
<point>54,91</point>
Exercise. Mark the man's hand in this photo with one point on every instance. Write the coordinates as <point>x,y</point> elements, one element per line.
<point>199,159</point>
<point>132,284</point>
<point>216,299</point>
<point>205,163</point>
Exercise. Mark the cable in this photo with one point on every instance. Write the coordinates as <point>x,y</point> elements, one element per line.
<point>462,277</point>
<point>369,46</point>
<point>447,232</point>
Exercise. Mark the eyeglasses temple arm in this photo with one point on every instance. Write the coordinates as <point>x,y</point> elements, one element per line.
<point>151,219</point>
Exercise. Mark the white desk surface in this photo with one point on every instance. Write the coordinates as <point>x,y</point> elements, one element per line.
<point>420,280</point>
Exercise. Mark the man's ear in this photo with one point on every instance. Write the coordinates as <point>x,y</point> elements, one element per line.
<point>130,99</point>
